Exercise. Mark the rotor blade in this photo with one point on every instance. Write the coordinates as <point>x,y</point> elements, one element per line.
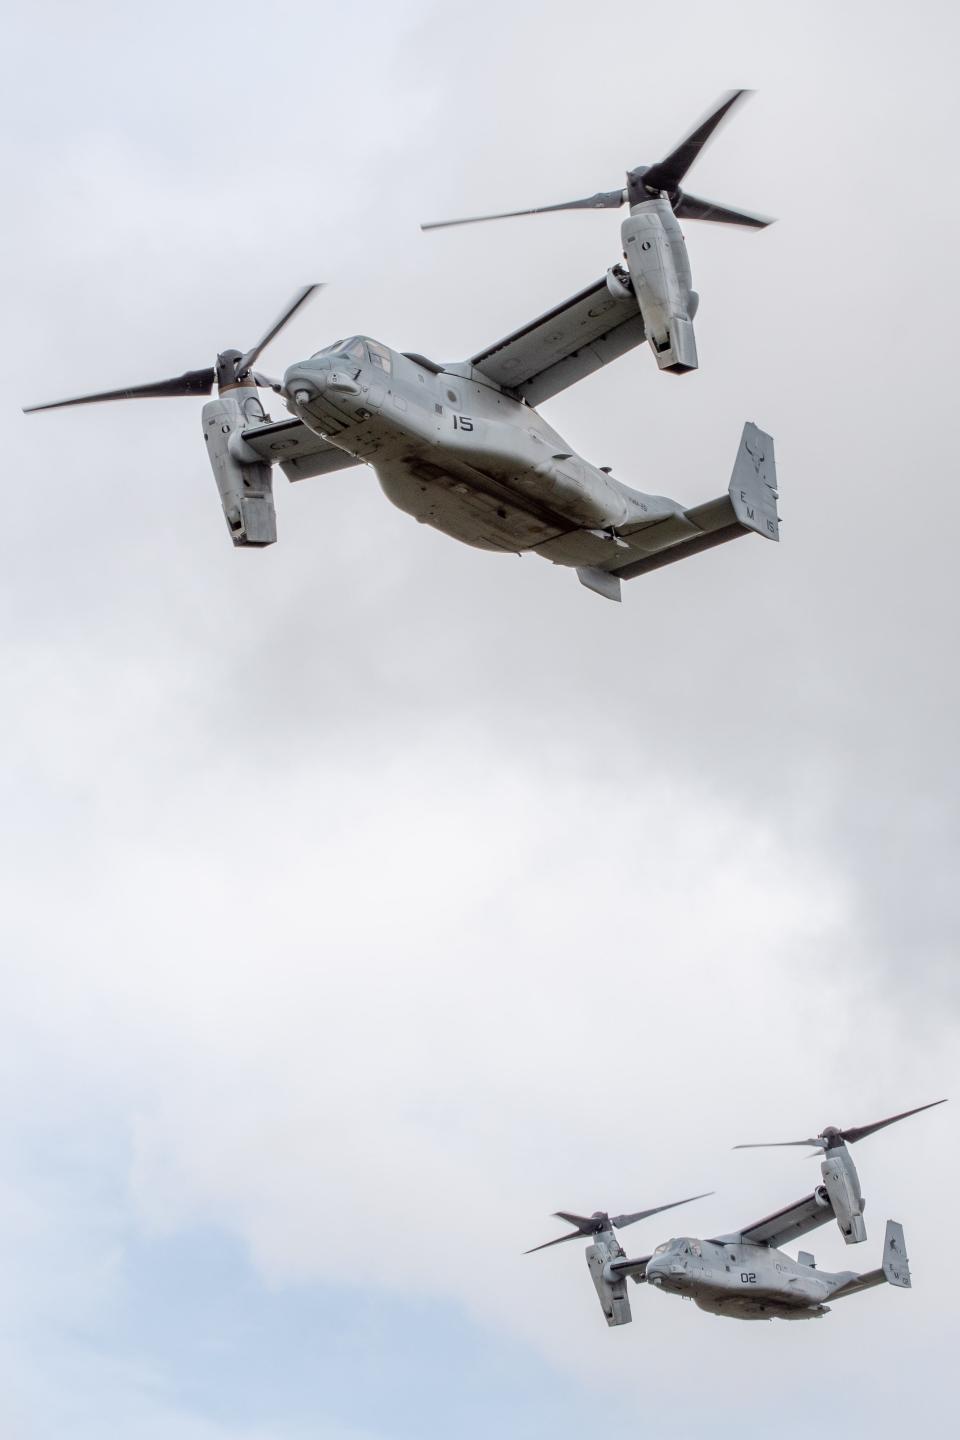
<point>779,1144</point>
<point>667,173</point>
<point>301,297</point>
<point>586,1224</point>
<point>574,1235</point>
<point>858,1132</point>
<point>192,382</point>
<point>692,207</point>
<point>603,200</point>
<point>621,1220</point>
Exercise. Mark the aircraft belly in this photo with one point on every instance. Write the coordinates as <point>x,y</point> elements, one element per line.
<point>750,1279</point>
<point>742,1307</point>
<point>358,431</point>
<point>487,482</point>
<point>764,1297</point>
<point>554,484</point>
<point>462,503</point>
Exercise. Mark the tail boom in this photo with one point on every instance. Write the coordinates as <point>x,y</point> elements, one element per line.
<point>895,1269</point>
<point>749,507</point>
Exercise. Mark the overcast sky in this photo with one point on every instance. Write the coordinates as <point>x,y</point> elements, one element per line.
<point>368,898</point>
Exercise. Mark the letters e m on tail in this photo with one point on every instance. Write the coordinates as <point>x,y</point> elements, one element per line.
<point>753,485</point>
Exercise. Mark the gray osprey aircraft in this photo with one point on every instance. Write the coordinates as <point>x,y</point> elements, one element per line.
<point>745,1274</point>
<point>461,447</point>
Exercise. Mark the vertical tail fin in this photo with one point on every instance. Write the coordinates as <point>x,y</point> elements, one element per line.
<point>896,1266</point>
<point>753,485</point>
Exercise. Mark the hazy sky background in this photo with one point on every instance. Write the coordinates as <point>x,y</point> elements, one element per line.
<point>368,898</point>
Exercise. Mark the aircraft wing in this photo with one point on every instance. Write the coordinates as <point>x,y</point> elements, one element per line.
<point>297,449</point>
<point>636,1269</point>
<point>583,334</point>
<point>788,1224</point>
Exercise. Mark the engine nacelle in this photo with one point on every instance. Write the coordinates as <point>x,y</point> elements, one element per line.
<point>611,1289</point>
<point>843,1186</point>
<point>656,255</point>
<point>244,480</point>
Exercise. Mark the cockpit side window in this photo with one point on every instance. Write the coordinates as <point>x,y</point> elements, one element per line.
<point>380,357</point>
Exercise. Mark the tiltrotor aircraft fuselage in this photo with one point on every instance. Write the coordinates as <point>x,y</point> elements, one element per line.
<point>459,453</point>
<point>461,446</point>
<point>740,1280</point>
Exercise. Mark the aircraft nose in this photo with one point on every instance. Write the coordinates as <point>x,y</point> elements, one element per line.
<point>655,1271</point>
<point>304,382</point>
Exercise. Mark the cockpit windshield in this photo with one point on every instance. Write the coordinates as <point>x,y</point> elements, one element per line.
<point>679,1247</point>
<point>352,346</point>
<point>362,351</point>
<point>380,356</point>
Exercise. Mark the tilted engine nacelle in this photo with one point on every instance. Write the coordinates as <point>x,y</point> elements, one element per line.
<point>656,256</point>
<point>611,1289</point>
<point>244,480</point>
<point>842,1184</point>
